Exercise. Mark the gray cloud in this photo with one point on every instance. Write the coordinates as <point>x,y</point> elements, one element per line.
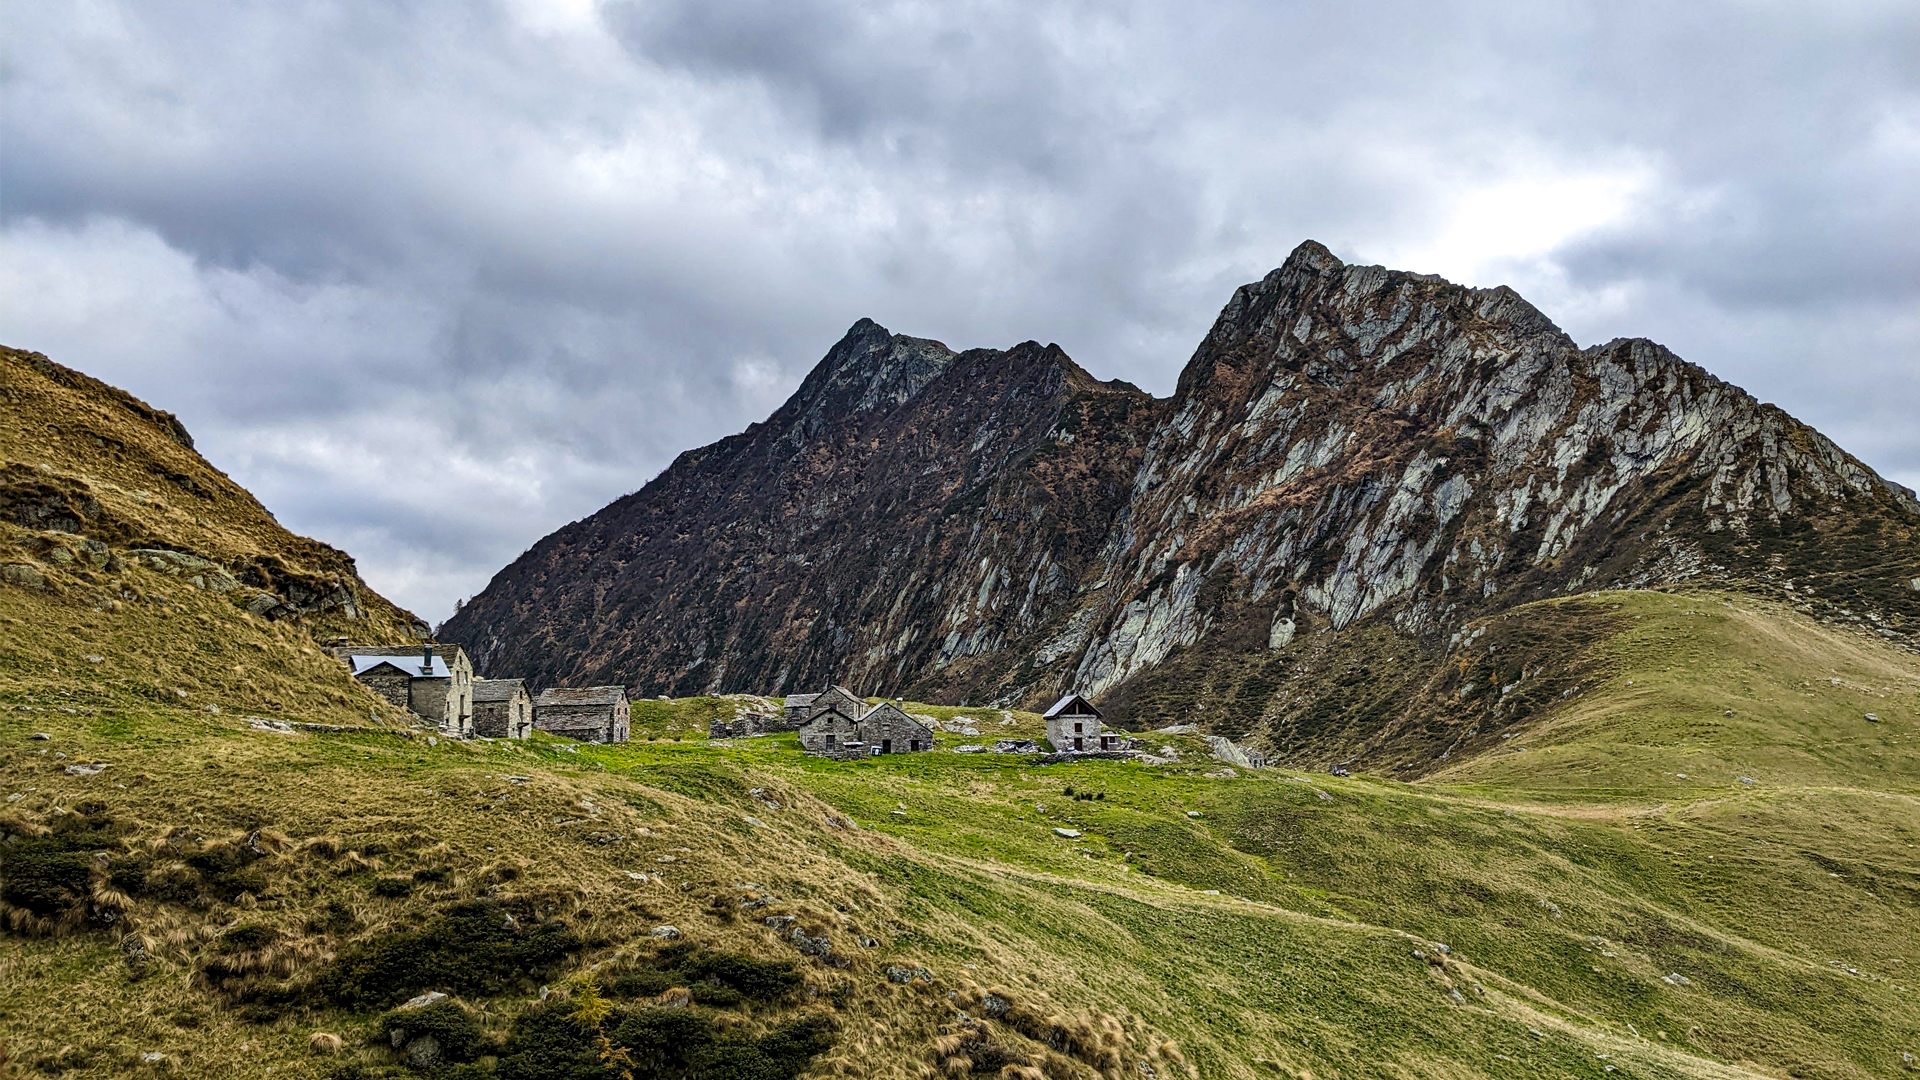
<point>535,249</point>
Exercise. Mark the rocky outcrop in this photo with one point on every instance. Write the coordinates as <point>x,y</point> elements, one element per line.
<point>1350,449</point>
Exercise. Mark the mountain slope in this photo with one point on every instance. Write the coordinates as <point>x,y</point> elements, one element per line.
<point>124,551</point>
<point>1605,897</point>
<point>1352,455</point>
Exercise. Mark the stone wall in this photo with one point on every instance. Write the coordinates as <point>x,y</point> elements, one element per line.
<point>1078,734</point>
<point>588,723</point>
<point>389,684</point>
<point>830,734</point>
<point>511,719</point>
<point>891,729</point>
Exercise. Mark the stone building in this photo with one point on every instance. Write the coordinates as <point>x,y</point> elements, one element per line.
<point>842,726</point>
<point>434,682</point>
<point>1074,727</point>
<point>502,708</point>
<point>801,708</point>
<point>588,713</point>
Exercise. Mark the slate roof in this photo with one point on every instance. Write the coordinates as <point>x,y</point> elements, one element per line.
<point>1084,707</point>
<point>581,695</point>
<point>406,665</point>
<point>497,689</point>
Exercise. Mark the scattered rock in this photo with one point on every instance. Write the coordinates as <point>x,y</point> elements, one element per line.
<point>23,574</point>
<point>995,1006</point>
<point>1873,718</point>
<point>91,768</point>
<point>1178,729</point>
<point>96,659</point>
<point>1676,979</point>
<point>1193,813</point>
<point>779,922</point>
<point>868,943</point>
<point>1071,834</point>
<point>423,1052</point>
<point>210,708</point>
<point>904,975</point>
<point>1748,780</point>
<point>152,1057</point>
<point>431,997</point>
<point>666,933</point>
<point>40,736</point>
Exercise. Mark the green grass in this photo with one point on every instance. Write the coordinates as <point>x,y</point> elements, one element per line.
<point>1272,935</point>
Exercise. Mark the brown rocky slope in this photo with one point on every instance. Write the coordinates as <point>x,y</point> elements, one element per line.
<point>1355,460</point>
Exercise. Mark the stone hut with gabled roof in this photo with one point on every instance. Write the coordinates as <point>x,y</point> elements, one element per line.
<point>434,682</point>
<point>1074,726</point>
<point>589,713</point>
<point>502,708</point>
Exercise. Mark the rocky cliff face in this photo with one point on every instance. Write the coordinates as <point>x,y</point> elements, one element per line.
<point>1350,449</point>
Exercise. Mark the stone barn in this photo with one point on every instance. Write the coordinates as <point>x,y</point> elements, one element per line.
<point>588,713</point>
<point>502,708</point>
<point>1074,727</point>
<point>887,728</point>
<point>434,682</point>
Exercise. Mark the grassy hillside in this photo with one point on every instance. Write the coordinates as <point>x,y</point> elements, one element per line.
<point>1601,893</point>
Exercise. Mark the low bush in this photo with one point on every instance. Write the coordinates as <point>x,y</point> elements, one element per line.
<point>447,1022</point>
<point>469,948</point>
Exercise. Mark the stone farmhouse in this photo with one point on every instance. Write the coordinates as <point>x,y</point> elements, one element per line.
<point>434,682</point>
<point>588,713</point>
<point>502,708</point>
<point>841,726</point>
<point>1074,727</point>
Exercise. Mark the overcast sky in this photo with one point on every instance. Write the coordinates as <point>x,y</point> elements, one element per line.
<point>434,278</point>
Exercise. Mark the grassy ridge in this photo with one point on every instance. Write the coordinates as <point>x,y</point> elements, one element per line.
<point>1263,924</point>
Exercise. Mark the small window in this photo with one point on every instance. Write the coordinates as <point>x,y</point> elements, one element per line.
<point>829,740</point>
<point>1076,729</point>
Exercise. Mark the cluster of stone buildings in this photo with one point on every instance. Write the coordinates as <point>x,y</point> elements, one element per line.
<point>838,723</point>
<point>436,683</point>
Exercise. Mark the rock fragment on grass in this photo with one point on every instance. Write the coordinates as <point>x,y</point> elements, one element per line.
<point>666,933</point>
<point>1070,834</point>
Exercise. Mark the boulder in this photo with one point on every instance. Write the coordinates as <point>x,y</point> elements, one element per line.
<point>666,933</point>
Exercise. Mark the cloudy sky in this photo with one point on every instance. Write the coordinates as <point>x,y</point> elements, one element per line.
<point>433,277</point>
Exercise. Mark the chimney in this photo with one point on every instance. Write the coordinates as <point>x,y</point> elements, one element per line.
<point>426,659</point>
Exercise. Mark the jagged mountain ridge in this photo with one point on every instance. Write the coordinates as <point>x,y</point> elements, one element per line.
<point>1348,446</point>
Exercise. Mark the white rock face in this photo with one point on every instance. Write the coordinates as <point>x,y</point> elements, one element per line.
<point>1281,635</point>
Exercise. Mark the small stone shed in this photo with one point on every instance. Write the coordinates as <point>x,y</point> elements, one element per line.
<point>1074,726</point>
<point>434,682</point>
<point>834,730</point>
<point>502,708</point>
<point>588,713</point>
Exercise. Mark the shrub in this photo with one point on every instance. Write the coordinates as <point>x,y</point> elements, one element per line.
<point>449,1023</point>
<point>44,874</point>
<point>762,980</point>
<point>470,948</point>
